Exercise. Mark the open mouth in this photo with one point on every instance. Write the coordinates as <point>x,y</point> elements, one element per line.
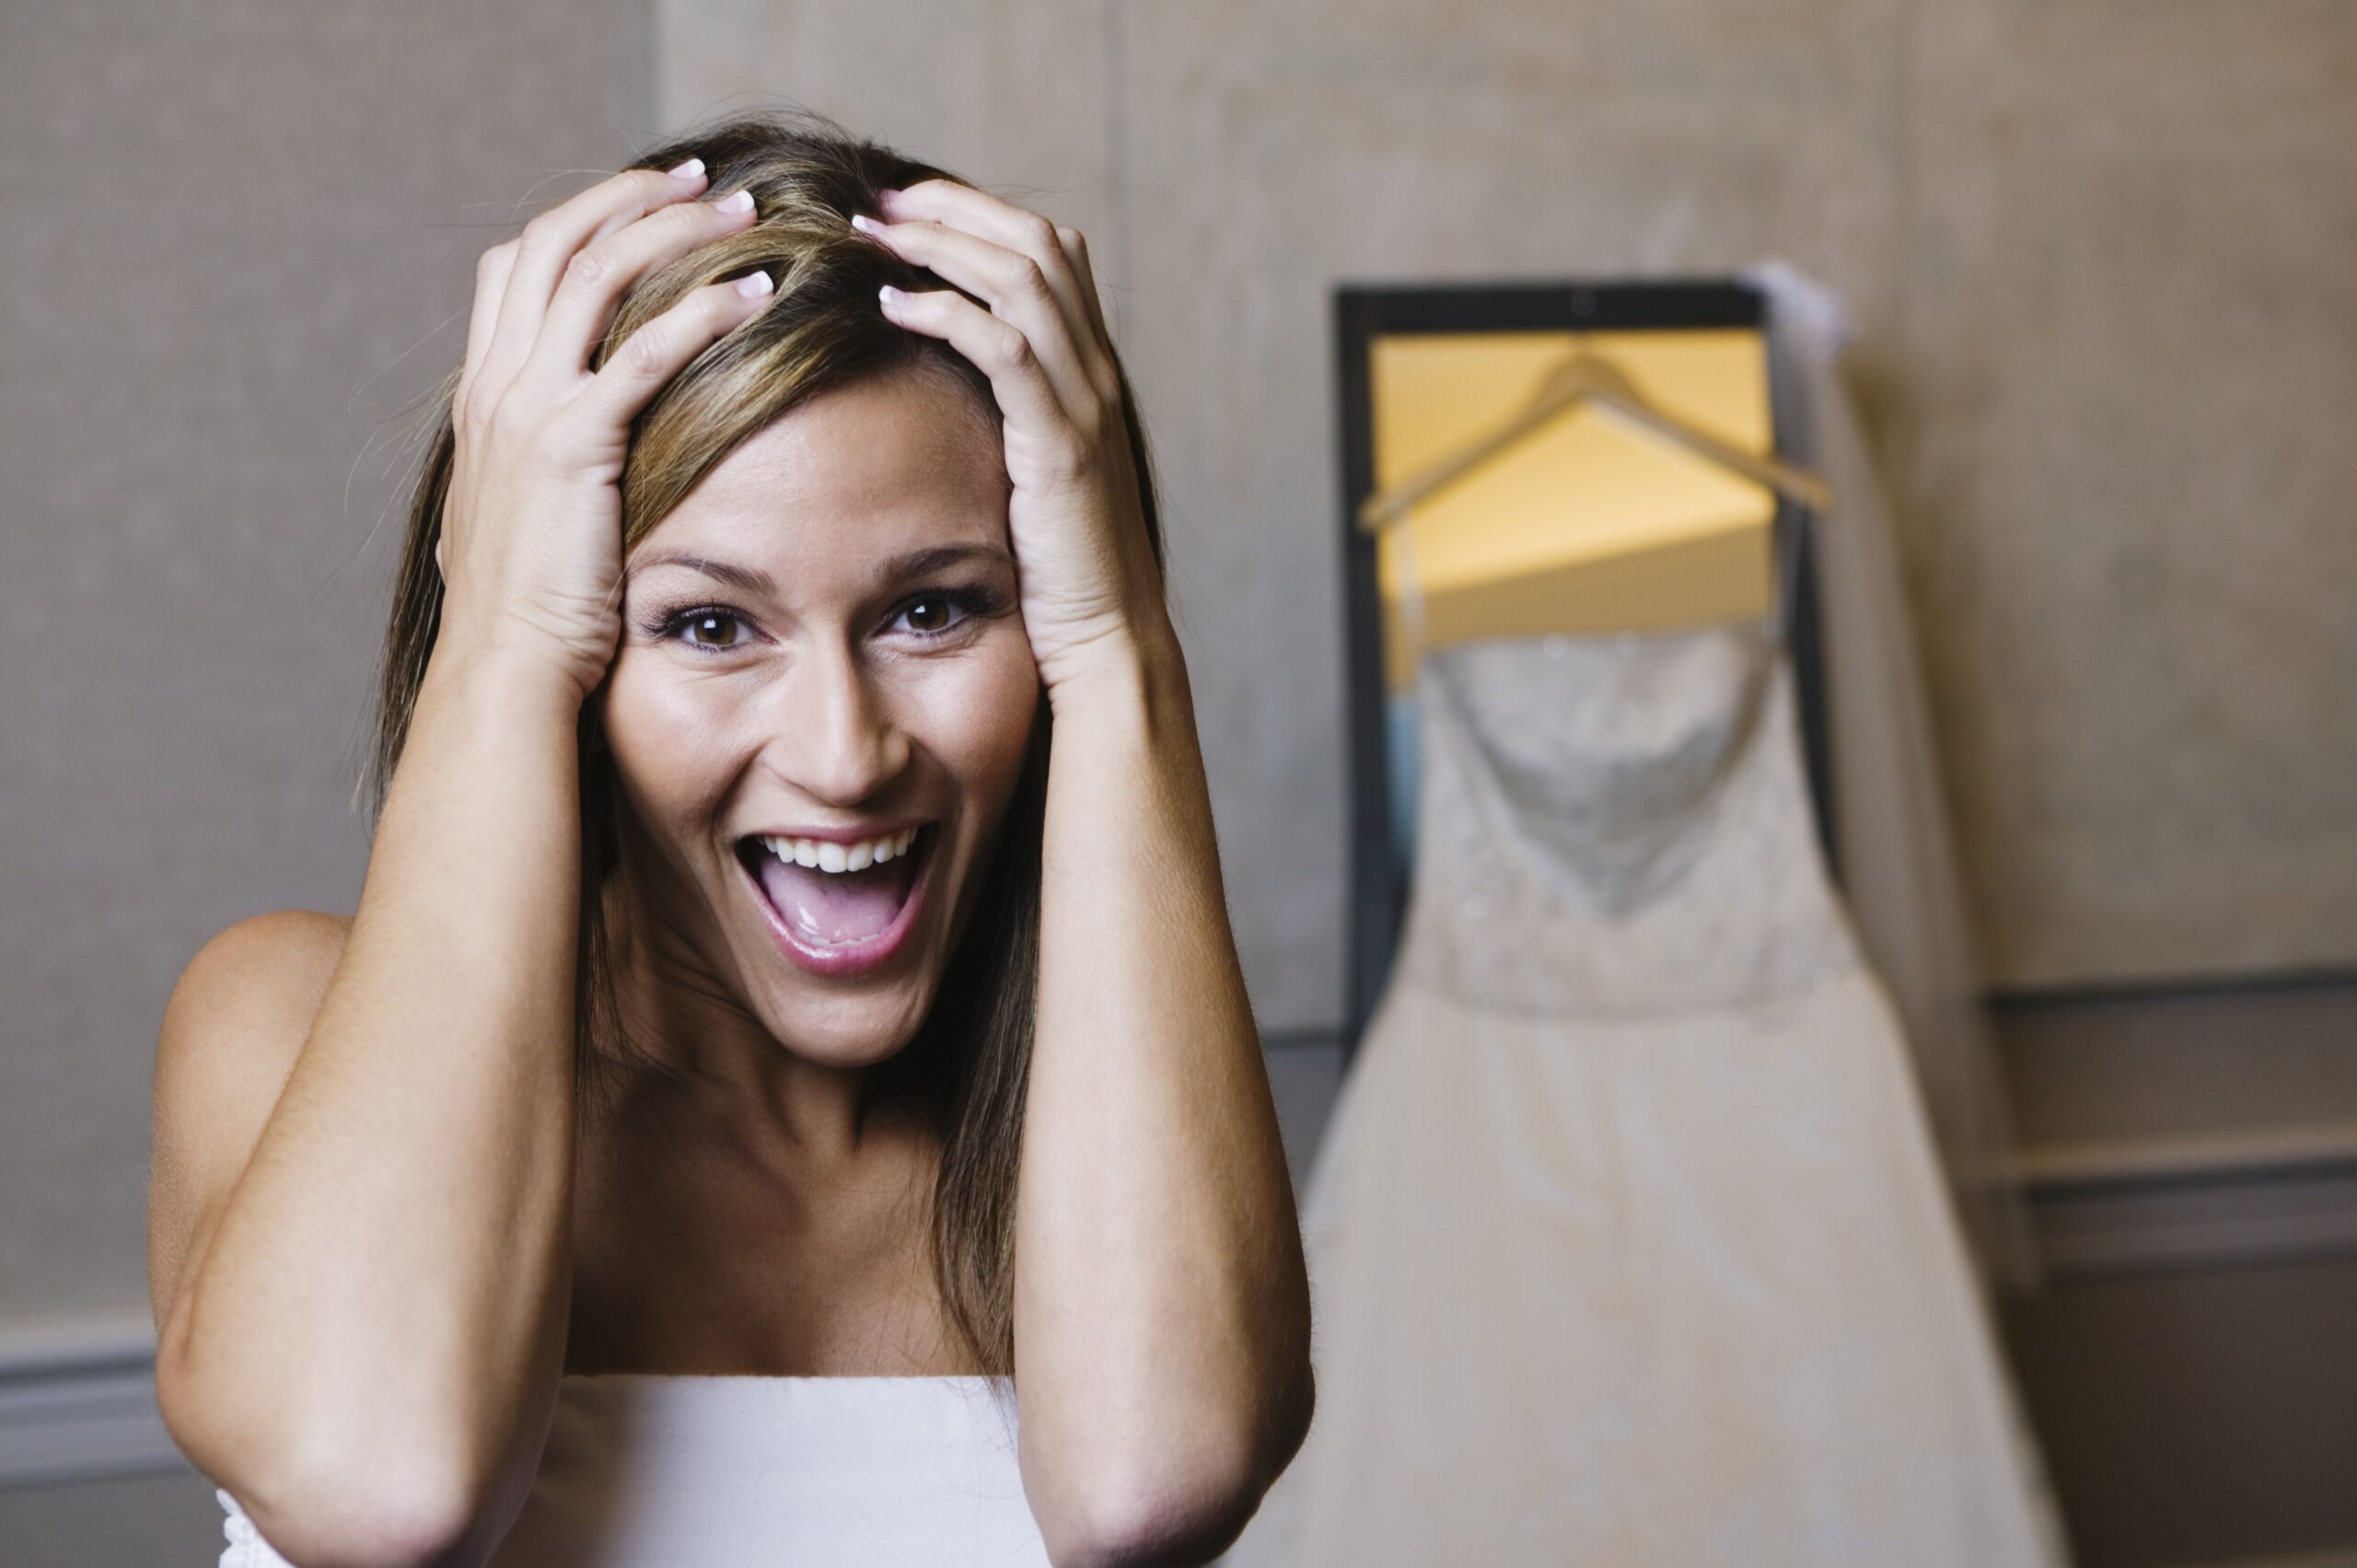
<point>835,900</point>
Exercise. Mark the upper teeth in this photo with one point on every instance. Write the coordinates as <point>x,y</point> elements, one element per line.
<point>826,854</point>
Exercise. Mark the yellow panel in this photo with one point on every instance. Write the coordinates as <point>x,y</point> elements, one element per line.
<point>1588,489</point>
<point>1704,578</point>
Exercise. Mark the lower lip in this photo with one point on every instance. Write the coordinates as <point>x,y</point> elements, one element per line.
<point>849,958</point>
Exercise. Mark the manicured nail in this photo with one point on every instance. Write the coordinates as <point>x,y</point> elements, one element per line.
<point>689,170</point>
<point>736,201</point>
<point>892,297</point>
<point>865,225</point>
<point>754,284</point>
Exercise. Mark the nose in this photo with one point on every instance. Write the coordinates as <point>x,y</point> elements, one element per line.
<point>835,738</point>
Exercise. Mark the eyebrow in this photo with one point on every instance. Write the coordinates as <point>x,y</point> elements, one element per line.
<point>938,557</point>
<point>744,577</point>
<point>911,563</point>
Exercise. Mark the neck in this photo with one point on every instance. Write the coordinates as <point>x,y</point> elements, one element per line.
<point>692,1048</point>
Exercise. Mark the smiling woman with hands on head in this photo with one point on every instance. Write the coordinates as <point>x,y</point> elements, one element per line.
<point>787,1093</point>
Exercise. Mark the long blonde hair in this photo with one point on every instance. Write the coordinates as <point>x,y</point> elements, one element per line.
<point>966,1064</point>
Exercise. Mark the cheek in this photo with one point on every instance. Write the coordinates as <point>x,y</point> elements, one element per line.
<point>974,715</point>
<point>667,738</point>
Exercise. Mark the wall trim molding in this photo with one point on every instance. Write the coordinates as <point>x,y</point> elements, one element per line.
<point>2166,988</point>
<point>78,1402</point>
<point>2253,1151</point>
<point>2198,1201</point>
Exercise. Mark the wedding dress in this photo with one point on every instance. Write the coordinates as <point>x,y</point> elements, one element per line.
<point>1628,1240</point>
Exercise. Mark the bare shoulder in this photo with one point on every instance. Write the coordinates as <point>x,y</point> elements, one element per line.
<point>236,1022</point>
<point>282,960</point>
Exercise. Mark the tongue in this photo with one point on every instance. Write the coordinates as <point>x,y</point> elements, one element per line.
<point>827,908</point>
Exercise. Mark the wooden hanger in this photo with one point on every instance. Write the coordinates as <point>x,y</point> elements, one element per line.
<point>1588,377</point>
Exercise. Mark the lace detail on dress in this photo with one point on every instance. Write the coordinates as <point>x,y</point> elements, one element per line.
<point>1606,802</point>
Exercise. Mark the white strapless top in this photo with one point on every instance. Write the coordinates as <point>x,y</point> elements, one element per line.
<point>675,1470</point>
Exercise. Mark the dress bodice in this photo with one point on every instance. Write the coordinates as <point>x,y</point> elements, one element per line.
<point>1615,826</point>
<point>667,1470</point>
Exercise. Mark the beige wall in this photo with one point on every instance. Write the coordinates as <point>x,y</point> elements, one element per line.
<point>2130,358</point>
<point>229,232</point>
<point>2099,253</point>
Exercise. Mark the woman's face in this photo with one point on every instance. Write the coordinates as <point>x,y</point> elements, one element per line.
<point>823,653</point>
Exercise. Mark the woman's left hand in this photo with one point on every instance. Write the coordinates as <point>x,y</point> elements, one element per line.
<point>1090,588</point>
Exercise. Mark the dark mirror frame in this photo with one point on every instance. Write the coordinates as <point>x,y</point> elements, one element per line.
<point>1377,884</point>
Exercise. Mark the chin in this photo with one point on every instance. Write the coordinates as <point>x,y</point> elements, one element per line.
<point>844,1034</point>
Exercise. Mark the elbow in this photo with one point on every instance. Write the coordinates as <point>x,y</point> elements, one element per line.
<point>343,1519</point>
<point>324,1525</point>
<point>1162,1521</point>
<point>318,1504</point>
<point>1184,1501</point>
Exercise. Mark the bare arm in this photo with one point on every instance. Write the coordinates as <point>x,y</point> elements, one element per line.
<point>1162,1315</point>
<point>1161,1307</point>
<point>375,1318</point>
<point>365,1329</point>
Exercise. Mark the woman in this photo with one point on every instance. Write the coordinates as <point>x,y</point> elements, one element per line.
<point>755,1036</point>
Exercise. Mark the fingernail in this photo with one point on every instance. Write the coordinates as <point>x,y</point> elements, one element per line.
<point>754,284</point>
<point>890,297</point>
<point>865,225</point>
<point>736,201</point>
<point>689,170</point>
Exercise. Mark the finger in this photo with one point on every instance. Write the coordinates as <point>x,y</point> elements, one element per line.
<point>548,244</point>
<point>1036,420</point>
<point>597,277</point>
<point>1060,253</point>
<point>691,174</point>
<point>647,360</point>
<point>491,283</point>
<point>1017,292</point>
<point>1075,249</point>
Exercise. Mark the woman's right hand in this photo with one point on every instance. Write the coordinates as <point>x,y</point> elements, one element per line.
<point>531,545</point>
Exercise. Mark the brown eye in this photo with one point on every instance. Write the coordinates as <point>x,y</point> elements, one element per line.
<point>710,629</point>
<point>930,615</point>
